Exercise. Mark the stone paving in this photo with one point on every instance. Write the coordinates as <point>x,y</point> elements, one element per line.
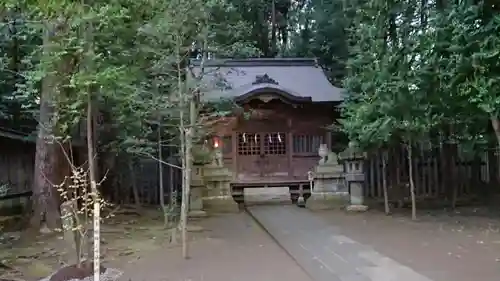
<point>323,252</point>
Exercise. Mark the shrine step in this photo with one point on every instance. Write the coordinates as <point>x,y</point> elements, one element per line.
<point>267,195</point>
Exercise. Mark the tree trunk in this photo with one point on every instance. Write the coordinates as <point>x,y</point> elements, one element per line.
<point>91,153</point>
<point>188,169</point>
<point>495,122</point>
<point>455,178</point>
<point>493,165</point>
<point>183,215</point>
<point>93,187</point>
<point>384,182</point>
<point>412,183</point>
<point>135,191</point>
<point>448,171</point>
<point>160,176</point>
<point>475,179</point>
<point>273,29</point>
<point>445,170</point>
<point>185,199</point>
<point>182,135</point>
<point>187,191</point>
<point>45,203</point>
<point>172,200</point>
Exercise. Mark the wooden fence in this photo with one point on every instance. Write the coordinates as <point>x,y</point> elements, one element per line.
<point>17,160</point>
<point>437,172</point>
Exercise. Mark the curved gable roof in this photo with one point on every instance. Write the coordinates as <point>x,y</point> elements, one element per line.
<point>296,79</point>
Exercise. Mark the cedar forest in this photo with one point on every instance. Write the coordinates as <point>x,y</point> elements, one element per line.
<point>416,71</point>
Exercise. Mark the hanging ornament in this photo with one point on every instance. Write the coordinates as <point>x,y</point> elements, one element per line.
<point>279,138</point>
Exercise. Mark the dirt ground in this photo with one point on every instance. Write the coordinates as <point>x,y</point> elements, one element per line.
<point>228,247</point>
<point>124,238</point>
<point>446,246</point>
<point>234,248</point>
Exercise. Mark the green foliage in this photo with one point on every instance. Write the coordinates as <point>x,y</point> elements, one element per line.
<point>16,45</point>
<point>413,70</point>
<point>126,55</point>
<point>416,72</point>
<point>321,32</point>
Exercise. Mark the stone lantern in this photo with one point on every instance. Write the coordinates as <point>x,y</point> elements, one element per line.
<point>354,177</point>
<point>196,194</point>
<point>217,179</point>
<point>197,184</point>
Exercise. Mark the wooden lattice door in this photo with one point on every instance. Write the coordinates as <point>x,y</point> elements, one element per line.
<point>274,166</point>
<point>262,157</point>
<point>249,152</point>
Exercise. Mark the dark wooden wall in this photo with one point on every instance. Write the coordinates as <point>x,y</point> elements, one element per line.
<point>17,160</point>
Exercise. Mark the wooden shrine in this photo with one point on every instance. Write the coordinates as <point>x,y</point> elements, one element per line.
<point>285,105</point>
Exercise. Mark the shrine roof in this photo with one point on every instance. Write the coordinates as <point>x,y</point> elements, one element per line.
<point>297,79</point>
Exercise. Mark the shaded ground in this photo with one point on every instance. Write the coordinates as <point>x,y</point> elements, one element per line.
<point>233,248</point>
<point>461,246</point>
<point>226,247</point>
<point>464,246</point>
<point>124,238</point>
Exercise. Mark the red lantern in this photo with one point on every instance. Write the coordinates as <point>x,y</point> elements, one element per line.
<point>216,142</point>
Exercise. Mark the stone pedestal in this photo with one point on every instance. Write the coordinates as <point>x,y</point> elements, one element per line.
<point>196,194</point>
<point>355,179</point>
<point>217,195</point>
<point>329,190</point>
<point>356,198</point>
<point>196,208</point>
<point>327,200</point>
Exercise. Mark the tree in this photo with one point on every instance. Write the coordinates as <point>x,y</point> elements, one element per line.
<point>69,72</point>
<point>45,205</point>
<point>390,103</point>
<point>321,32</point>
<point>168,39</point>
<point>430,75</point>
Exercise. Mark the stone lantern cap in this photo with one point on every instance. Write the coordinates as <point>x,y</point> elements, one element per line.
<point>353,160</point>
<point>352,153</point>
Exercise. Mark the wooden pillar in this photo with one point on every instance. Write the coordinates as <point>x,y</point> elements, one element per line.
<point>289,137</point>
<point>328,140</point>
<point>234,153</point>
